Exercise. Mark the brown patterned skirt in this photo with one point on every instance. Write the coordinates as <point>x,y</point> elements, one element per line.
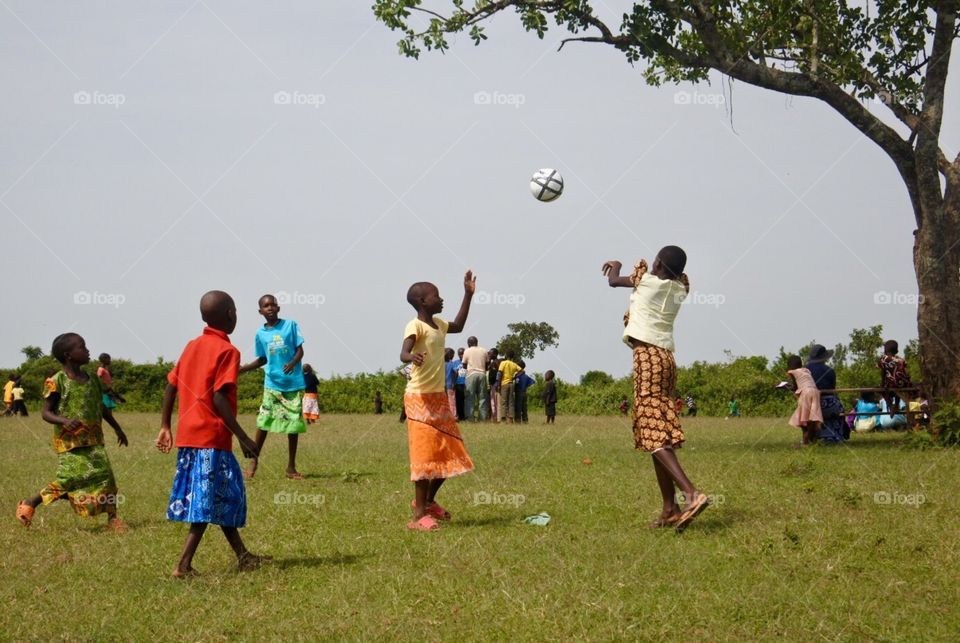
<point>655,421</point>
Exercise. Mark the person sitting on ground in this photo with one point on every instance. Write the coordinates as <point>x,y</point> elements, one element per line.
<point>866,410</point>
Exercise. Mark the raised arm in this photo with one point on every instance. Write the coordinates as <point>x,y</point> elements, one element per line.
<point>469,287</point>
<point>611,270</point>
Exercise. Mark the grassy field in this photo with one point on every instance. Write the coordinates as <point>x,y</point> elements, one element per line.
<point>845,543</point>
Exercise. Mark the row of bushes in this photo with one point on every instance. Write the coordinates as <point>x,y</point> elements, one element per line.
<point>750,379</point>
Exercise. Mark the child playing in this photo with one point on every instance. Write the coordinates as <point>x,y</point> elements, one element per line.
<point>437,451</point>
<point>311,404</point>
<point>8,394</point>
<point>893,374</point>
<point>550,396</point>
<point>733,408</point>
<point>208,485</point>
<point>75,408</point>
<point>378,403</point>
<point>110,397</point>
<point>654,304</point>
<point>808,417</point>
<point>19,405</point>
<point>279,346</point>
<point>624,406</point>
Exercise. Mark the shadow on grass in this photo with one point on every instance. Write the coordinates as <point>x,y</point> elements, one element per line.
<point>319,561</point>
<point>712,521</point>
<point>486,521</point>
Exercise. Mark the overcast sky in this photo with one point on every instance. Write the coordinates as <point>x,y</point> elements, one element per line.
<point>155,151</point>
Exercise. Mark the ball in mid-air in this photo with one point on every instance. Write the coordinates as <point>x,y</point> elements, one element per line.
<point>546,184</point>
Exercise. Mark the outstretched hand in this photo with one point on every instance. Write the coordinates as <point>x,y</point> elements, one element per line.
<point>469,283</point>
<point>613,266</point>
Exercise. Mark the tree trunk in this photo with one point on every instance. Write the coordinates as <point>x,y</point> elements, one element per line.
<point>936,260</point>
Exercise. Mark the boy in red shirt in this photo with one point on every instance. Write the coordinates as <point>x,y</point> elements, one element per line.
<point>208,486</point>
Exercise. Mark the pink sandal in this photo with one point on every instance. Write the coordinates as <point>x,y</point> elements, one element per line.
<point>434,510</point>
<point>424,524</point>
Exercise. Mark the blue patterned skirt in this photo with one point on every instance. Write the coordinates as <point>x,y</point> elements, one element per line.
<point>208,487</point>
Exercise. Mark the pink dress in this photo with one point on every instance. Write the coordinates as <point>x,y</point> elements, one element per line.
<point>808,399</point>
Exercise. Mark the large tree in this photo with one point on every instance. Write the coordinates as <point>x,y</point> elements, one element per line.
<point>843,55</point>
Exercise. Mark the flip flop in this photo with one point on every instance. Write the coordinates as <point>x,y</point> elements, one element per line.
<point>423,524</point>
<point>434,510</point>
<point>25,513</point>
<point>668,521</point>
<point>692,512</point>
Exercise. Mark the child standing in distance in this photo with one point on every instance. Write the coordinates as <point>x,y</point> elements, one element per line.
<point>506,372</point>
<point>808,417</point>
<point>893,374</point>
<point>75,408</point>
<point>493,364</point>
<point>110,397</point>
<point>550,396</point>
<point>654,304</point>
<point>208,486</point>
<point>378,403</point>
<point>521,382</point>
<point>279,346</point>
<point>437,451</point>
<point>450,378</point>
<point>19,405</point>
<point>311,403</point>
<point>8,394</point>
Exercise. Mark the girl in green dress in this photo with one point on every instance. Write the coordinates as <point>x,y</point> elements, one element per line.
<point>74,406</point>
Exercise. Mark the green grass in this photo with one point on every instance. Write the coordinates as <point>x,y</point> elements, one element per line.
<point>795,548</point>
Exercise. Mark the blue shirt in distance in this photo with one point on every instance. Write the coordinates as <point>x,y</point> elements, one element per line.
<point>450,369</point>
<point>522,382</point>
<point>461,371</point>
<point>277,345</point>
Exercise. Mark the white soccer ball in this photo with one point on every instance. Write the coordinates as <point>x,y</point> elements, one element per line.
<point>546,184</point>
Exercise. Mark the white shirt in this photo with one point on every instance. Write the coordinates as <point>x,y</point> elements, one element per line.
<point>654,305</point>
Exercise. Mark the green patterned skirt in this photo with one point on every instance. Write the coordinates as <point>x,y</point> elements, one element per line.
<point>281,412</point>
<point>84,477</point>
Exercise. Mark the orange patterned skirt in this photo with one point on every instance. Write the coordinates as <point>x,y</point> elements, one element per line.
<point>436,446</point>
<point>656,423</point>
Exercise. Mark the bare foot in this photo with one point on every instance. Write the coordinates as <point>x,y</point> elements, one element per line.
<point>251,470</point>
<point>117,526</point>
<point>185,573</point>
<point>248,562</point>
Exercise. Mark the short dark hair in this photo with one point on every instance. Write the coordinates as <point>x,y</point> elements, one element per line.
<point>673,259</point>
<point>891,347</point>
<point>103,357</point>
<point>62,344</point>
<point>794,362</point>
